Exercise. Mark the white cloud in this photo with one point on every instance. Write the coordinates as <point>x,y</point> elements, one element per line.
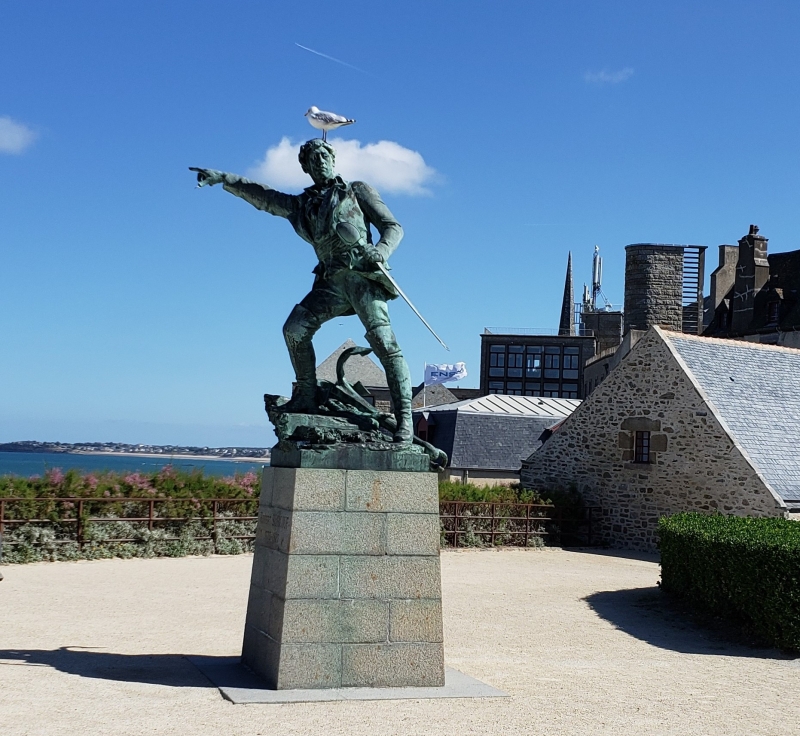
<point>14,137</point>
<point>386,165</point>
<point>607,77</point>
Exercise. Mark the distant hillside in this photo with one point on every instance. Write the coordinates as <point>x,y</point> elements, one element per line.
<point>121,447</point>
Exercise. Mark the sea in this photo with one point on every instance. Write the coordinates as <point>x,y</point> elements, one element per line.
<point>38,463</point>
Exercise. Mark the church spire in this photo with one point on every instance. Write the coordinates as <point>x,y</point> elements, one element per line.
<point>566,325</point>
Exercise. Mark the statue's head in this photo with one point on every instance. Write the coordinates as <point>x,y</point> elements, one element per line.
<point>317,159</point>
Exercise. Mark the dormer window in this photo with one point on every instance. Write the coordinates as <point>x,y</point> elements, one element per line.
<point>773,312</point>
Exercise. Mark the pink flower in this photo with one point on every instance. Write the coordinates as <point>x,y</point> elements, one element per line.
<point>55,476</point>
<point>91,481</point>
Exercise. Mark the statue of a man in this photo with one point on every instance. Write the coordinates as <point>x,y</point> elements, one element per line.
<point>348,280</point>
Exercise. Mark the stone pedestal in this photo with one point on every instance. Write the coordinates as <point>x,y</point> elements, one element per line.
<point>346,584</point>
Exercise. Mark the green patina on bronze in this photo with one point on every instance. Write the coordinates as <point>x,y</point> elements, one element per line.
<point>335,217</point>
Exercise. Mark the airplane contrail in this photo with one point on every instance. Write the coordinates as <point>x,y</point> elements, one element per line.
<point>331,58</point>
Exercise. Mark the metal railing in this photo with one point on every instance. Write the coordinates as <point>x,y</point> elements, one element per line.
<point>81,517</point>
<point>466,523</point>
<point>462,522</point>
<point>533,331</point>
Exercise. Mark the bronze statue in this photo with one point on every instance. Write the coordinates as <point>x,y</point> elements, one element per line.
<point>335,217</point>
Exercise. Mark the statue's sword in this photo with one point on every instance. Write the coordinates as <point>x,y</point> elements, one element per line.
<point>410,304</point>
<point>350,235</point>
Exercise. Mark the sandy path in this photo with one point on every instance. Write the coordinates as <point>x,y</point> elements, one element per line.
<point>519,620</point>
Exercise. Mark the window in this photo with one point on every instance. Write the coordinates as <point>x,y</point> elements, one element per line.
<point>496,387</point>
<point>514,388</point>
<point>551,389</point>
<point>569,391</point>
<point>641,447</point>
<point>773,312</point>
<point>533,365</point>
<point>515,358</point>
<point>497,361</point>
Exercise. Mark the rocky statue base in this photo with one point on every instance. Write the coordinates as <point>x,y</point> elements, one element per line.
<point>346,584</point>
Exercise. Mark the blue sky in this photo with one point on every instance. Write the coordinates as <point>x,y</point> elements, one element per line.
<point>136,308</point>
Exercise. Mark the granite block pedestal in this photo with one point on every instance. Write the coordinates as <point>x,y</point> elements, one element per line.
<point>346,584</point>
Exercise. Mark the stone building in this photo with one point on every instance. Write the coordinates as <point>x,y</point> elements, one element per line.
<point>755,296</point>
<point>683,423</point>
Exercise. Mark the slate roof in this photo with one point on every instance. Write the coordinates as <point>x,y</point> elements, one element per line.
<point>432,396</point>
<point>534,406</point>
<point>494,432</point>
<point>358,368</point>
<point>755,390</point>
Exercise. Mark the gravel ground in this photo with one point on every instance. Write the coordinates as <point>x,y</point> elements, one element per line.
<point>582,641</point>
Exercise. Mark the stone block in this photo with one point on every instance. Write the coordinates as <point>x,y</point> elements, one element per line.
<point>259,607</point>
<point>259,561</point>
<point>415,621</point>
<point>329,621</point>
<point>625,440</point>
<point>274,529</point>
<point>309,666</point>
<point>322,532</point>
<point>412,534</point>
<point>265,495</point>
<point>261,654</point>
<point>658,443</point>
<point>641,424</point>
<point>301,576</point>
<point>390,577</point>
<point>300,489</point>
<point>374,491</point>
<point>392,665</point>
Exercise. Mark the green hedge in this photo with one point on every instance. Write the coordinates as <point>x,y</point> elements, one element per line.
<point>742,569</point>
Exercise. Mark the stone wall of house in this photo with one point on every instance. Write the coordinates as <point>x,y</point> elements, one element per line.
<point>653,286</point>
<point>695,466</point>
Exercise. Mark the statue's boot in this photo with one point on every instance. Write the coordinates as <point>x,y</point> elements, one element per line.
<point>383,342</point>
<point>300,327</point>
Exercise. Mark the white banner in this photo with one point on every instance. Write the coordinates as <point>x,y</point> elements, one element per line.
<point>443,373</point>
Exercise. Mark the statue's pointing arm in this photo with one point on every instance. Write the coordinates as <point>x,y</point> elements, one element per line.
<point>381,217</point>
<point>259,195</point>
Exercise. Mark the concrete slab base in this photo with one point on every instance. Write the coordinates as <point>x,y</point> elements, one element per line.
<point>240,685</point>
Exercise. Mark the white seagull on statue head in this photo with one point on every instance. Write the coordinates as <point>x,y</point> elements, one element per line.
<point>326,121</point>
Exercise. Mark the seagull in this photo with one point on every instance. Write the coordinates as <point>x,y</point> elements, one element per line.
<point>326,121</point>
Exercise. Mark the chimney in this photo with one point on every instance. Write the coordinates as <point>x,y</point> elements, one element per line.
<point>722,279</point>
<point>752,272</point>
<point>653,286</point>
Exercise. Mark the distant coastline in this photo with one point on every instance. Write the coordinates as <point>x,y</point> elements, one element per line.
<point>243,454</point>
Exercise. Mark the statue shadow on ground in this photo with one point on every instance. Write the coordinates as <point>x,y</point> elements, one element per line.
<point>663,621</point>
<point>173,670</point>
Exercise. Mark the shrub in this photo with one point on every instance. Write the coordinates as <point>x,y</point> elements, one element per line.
<point>742,569</point>
<point>454,491</point>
